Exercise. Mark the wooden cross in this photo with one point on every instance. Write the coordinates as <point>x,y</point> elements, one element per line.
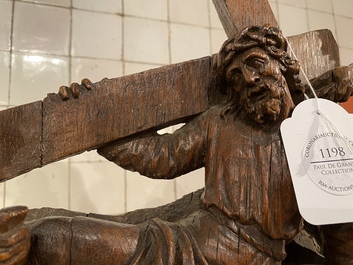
<point>39,133</point>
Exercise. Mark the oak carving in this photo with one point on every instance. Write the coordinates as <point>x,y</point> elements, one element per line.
<point>246,213</point>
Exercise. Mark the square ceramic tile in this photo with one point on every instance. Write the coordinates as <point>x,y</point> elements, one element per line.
<point>65,3</point>
<point>346,56</point>
<point>218,37</point>
<point>297,3</point>
<point>97,187</point>
<point>320,5</point>
<point>34,76</point>
<point>190,182</point>
<point>44,187</point>
<point>39,28</point>
<point>155,9</point>
<point>5,25</point>
<point>94,69</point>
<point>143,192</point>
<point>214,19</point>
<point>189,42</point>
<point>292,20</point>
<point>190,12</point>
<point>4,77</point>
<point>96,35</point>
<point>146,41</point>
<point>344,27</point>
<point>343,7</point>
<point>132,68</point>
<point>320,20</point>
<point>110,6</point>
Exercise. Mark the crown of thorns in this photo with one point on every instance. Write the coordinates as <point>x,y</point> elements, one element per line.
<point>270,39</point>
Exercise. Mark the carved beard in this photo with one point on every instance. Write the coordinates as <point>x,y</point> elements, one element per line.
<point>264,101</point>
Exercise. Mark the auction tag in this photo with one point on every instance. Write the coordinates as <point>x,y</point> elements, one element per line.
<point>319,150</point>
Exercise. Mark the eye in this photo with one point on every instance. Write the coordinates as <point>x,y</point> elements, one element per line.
<point>256,63</point>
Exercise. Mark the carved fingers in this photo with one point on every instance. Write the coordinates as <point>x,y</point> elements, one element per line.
<point>14,236</point>
<point>75,89</point>
<point>343,77</point>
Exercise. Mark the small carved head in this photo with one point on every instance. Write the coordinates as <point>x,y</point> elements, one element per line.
<point>257,74</point>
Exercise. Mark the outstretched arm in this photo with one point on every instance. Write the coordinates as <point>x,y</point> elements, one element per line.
<point>162,156</point>
<point>335,85</point>
<point>155,156</point>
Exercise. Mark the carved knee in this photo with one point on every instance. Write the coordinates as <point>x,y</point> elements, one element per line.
<point>50,241</point>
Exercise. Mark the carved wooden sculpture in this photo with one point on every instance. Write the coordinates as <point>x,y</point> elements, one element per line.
<point>247,211</point>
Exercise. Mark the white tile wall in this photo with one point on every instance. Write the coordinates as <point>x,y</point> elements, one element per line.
<point>153,9</point>
<point>185,42</point>
<point>142,192</point>
<point>292,20</point>
<point>94,69</point>
<point>96,35</point>
<point>5,25</point>
<point>34,75</point>
<point>41,29</point>
<point>55,42</point>
<point>320,5</point>
<point>65,3</point>
<point>146,40</point>
<point>47,186</point>
<point>97,187</point>
<point>190,12</point>
<point>4,77</point>
<point>110,6</point>
<point>343,8</point>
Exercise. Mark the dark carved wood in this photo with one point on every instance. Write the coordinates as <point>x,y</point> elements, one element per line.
<point>186,86</point>
<point>236,15</point>
<point>247,210</point>
<point>20,139</point>
<point>119,107</point>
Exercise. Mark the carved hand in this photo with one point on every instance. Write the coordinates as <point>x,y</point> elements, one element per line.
<point>335,85</point>
<point>75,89</point>
<point>14,236</point>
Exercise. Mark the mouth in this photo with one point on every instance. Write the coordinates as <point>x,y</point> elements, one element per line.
<point>258,93</point>
<point>262,92</point>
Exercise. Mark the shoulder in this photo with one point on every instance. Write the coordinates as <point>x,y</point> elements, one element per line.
<point>213,113</point>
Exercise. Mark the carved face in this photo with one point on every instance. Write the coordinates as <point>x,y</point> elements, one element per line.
<point>260,87</point>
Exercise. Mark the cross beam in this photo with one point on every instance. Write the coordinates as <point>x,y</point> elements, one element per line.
<point>42,132</point>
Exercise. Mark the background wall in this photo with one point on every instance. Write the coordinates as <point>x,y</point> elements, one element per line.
<point>48,43</point>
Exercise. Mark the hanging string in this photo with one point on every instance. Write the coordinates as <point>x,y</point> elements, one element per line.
<point>304,74</point>
<point>318,110</point>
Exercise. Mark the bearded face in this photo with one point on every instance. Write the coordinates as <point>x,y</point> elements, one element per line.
<point>264,101</point>
<point>260,87</point>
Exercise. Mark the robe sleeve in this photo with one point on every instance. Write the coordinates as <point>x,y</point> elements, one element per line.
<point>163,156</point>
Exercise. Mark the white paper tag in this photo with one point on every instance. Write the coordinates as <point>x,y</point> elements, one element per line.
<point>320,159</point>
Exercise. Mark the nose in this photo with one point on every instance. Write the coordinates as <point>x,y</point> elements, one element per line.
<point>251,77</point>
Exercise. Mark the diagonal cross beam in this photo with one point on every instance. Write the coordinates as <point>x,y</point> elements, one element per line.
<point>42,132</point>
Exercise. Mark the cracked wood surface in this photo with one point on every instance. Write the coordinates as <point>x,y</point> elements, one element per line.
<point>40,133</point>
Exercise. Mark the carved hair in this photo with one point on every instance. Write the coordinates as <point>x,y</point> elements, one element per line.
<point>271,40</point>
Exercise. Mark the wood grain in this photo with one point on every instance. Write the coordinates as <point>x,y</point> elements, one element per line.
<point>20,139</point>
<point>119,107</point>
<point>235,15</point>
